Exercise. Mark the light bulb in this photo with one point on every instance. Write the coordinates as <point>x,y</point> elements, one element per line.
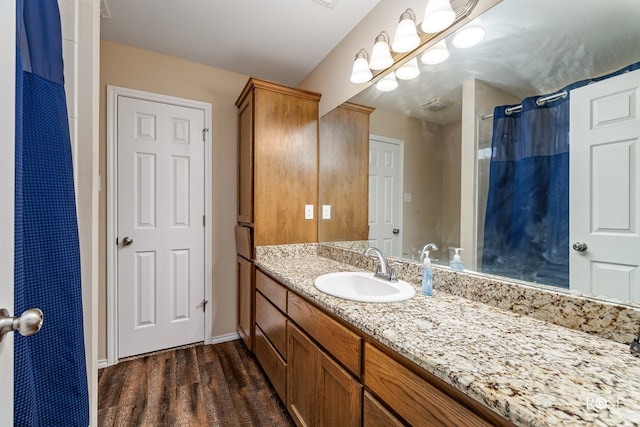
<point>361,72</point>
<point>406,37</point>
<point>437,16</point>
<point>380,54</point>
<point>387,83</point>
<point>436,54</point>
<point>469,35</point>
<point>408,71</point>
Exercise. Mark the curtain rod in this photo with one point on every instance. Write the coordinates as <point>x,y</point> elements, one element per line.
<point>540,102</point>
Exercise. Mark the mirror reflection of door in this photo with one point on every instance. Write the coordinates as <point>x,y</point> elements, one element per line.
<point>604,187</point>
<point>385,195</point>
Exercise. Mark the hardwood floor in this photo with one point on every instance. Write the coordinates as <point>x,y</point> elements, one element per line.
<point>204,385</point>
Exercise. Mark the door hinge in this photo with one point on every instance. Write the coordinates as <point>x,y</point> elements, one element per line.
<point>204,134</point>
<point>204,220</point>
<point>203,304</point>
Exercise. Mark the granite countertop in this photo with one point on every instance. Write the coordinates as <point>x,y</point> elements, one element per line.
<point>531,372</point>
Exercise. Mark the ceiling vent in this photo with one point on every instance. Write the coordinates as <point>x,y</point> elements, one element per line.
<point>327,3</point>
<point>436,104</point>
<point>104,9</point>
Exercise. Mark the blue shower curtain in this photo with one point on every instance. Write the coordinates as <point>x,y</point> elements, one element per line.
<point>50,372</point>
<point>526,232</point>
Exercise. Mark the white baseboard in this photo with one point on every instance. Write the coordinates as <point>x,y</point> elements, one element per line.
<point>223,338</point>
<point>103,363</point>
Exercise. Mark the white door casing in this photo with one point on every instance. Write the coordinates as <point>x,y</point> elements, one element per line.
<point>7,183</point>
<point>161,200</point>
<point>385,194</point>
<point>605,187</point>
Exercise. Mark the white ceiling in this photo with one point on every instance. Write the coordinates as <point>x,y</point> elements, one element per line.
<point>277,40</point>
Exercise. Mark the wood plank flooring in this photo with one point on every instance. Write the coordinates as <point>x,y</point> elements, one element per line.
<point>204,385</point>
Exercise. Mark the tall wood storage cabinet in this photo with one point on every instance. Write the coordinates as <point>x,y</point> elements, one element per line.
<point>344,172</point>
<point>277,178</point>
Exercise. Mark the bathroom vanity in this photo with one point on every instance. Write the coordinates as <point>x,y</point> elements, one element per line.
<point>441,360</point>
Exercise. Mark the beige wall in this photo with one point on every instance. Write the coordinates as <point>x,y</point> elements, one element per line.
<point>450,206</point>
<point>147,71</point>
<point>422,217</point>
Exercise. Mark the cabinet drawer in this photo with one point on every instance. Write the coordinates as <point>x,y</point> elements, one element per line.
<point>343,344</point>
<point>274,366</point>
<point>273,323</point>
<point>273,290</point>
<point>412,397</point>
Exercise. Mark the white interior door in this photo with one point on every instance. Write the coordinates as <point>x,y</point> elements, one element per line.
<point>385,204</point>
<point>161,268</point>
<point>7,138</point>
<point>605,187</point>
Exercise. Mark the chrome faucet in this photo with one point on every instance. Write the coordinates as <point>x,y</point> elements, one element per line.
<point>428,247</point>
<point>383,270</point>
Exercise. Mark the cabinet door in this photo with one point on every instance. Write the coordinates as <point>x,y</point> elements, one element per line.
<point>285,168</point>
<point>301,377</point>
<point>245,161</point>
<point>340,395</point>
<point>376,415</point>
<point>246,293</point>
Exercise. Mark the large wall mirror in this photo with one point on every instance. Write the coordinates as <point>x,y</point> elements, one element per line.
<point>439,129</point>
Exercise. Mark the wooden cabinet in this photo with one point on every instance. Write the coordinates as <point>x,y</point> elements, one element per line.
<point>343,344</point>
<point>374,414</point>
<point>277,177</point>
<point>246,294</point>
<point>271,331</point>
<point>321,393</point>
<point>277,162</point>
<point>422,399</point>
<point>344,173</point>
<point>301,400</point>
<point>319,363</point>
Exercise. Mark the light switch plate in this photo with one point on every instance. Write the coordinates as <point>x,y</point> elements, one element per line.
<point>326,211</point>
<point>308,211</point>
<point>407,197</point>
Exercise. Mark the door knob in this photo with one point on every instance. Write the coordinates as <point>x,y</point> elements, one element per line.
<point>127,241</point>
<point>396,230</point>
<point>579,246</point>
<point>28,324</point>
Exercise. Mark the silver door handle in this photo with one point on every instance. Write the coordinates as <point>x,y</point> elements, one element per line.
<point>127,241</point>
<point>579,246</point>
<point>27,324</point>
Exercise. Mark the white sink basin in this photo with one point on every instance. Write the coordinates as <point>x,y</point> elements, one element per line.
<point>363,287</point>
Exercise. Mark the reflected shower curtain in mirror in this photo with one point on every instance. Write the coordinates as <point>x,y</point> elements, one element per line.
<point>526,234</point>
<point>49,368</point>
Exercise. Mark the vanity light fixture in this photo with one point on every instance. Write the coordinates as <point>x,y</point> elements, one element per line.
<point>406,38</point>
<point>438,16</point>
<point>469,35</point>
<point>387,83</point>
<point>361,72</point>
<point>436,54</point>
<point>408,71</point>
<point>380,54</point>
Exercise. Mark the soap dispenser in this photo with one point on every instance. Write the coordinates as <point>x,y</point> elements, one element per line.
<point>456,262</point>
<point>427,274</point>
